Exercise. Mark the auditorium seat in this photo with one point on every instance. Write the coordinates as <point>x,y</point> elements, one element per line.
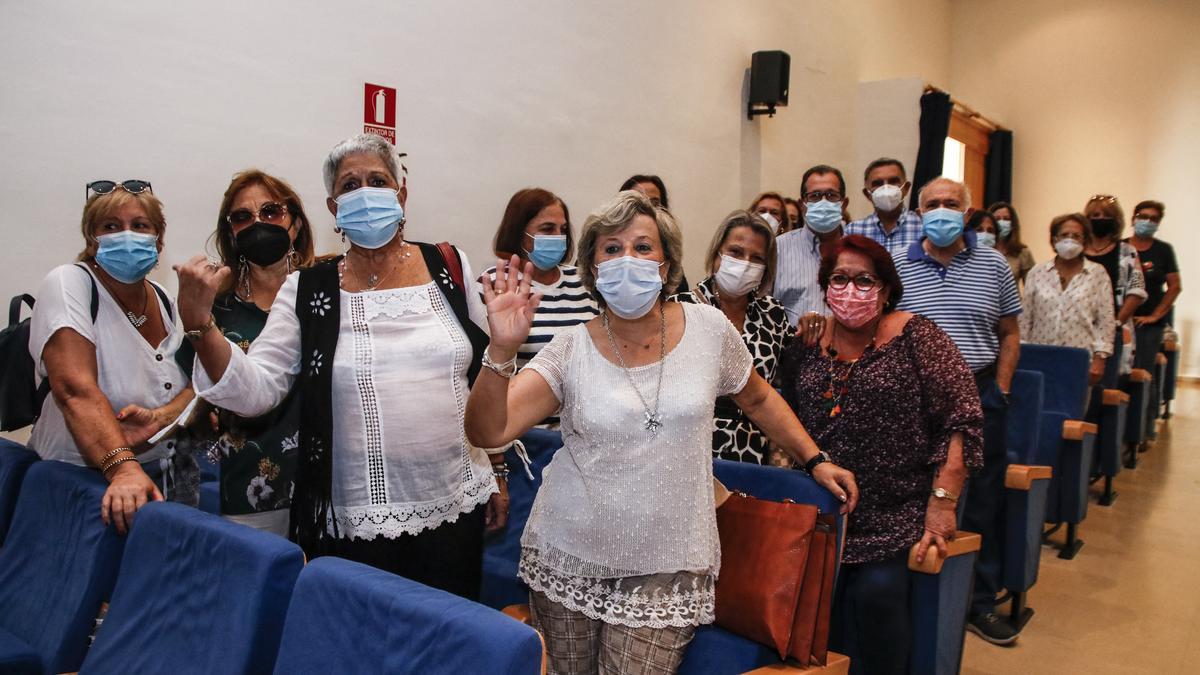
<point>941,595</point>
<point>1137,385</point>
<point>210,497</point>
<point>346,617</point>
<point>1065,443</point>
<point>1170,349</point>
<point>196,594</point>
<point>57,568</point>
<point>1154,405</point>
<point>1111,408</point>
<point>15,460</point>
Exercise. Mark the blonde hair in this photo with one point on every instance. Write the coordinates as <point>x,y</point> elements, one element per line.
<point>616,215</point>
<point>755,222</point>
<point>99,207</point>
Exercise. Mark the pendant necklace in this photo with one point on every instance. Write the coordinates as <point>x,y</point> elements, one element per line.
<point>839,386</point>
<point>137,320</point>
<point>653,421</point>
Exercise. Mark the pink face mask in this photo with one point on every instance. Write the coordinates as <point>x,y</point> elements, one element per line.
<point>852,307</point>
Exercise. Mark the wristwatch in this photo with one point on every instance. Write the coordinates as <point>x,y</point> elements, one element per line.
<point>943,493</point>
<point>199,332</point>
<point>820,458</point>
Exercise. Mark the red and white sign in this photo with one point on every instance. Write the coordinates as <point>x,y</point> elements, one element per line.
<point>379,111</point>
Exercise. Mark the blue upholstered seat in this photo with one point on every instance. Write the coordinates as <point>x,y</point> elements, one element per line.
<point>15,460</point>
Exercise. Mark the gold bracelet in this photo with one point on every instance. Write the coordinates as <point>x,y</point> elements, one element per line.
<point>114,453</point>
<point>109,466</point>
<point>198,333</point>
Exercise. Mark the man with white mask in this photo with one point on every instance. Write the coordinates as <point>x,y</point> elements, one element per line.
<point>822,199</point>
<point>886,186</point>
<point>969,292</point>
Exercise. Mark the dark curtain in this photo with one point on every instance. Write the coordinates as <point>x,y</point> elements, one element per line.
<point>935,124</point>
<point>998,187</point>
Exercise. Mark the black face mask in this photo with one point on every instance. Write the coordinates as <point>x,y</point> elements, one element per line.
<point>263,244</point>
<point>1103,227</point>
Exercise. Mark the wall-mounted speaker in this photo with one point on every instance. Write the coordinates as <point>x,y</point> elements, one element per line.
<point>769,75</point>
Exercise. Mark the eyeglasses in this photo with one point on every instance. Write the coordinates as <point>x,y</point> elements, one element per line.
<point>271,212</point>
<point>827,195</point>
<point>863,282</point>
<point>103,187</point>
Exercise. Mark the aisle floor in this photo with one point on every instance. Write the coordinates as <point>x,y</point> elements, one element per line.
<point>1130,601</point>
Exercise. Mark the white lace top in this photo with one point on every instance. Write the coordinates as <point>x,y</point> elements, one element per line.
<point>622,511</point>
<point>401,461</point>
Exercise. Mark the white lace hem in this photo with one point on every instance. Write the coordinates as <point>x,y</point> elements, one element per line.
<point>392,520</point>
<point>668,603</point>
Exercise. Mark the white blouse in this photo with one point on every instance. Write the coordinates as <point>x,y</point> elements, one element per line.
<point>128,369</point>
<point>619,501</point>
<point>401,461</point>
<point>1080,315</point>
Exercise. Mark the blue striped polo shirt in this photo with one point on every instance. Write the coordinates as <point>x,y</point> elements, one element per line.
<point>966,299</point>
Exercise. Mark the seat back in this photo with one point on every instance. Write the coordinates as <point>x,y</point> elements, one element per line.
<point>15,460</point>
<point>1026,399</point>
<point>58,564</point>
<point>347,617</point>
<point>1066,376</point>
<point>197,594</point>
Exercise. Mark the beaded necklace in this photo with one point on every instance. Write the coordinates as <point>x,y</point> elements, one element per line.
<point>839,386</point>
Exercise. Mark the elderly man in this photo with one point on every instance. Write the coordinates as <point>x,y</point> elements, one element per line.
<point>970,293</point>
<point>896,228</point>
<point>798,253</point>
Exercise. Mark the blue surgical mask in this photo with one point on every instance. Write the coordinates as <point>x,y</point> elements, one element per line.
<point>370,216</point>
<point>987,239</point>
<point>942,226</point>
<point>548,250</point>
<point>1005,227</point>
<point>1145,228</point>
<point>824,216</point>
<point>629,285</point>
<point>127,256</point>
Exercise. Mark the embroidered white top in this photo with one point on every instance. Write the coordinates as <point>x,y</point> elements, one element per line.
<point>129,370</point>
<point>619,501</point>
<point>401,461</point>
<point>1080,315</point>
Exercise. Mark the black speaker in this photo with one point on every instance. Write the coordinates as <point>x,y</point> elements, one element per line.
<point>769,75</point>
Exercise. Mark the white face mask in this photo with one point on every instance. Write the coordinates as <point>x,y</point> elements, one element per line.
<point>738,277</point>
<point>629,285</point>
<point>770,221</point>
<point>1068,249</point>
<point>887,197</point>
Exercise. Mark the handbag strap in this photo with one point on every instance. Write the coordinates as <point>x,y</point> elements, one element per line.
<point>453,264</point>
<point>14,308</point>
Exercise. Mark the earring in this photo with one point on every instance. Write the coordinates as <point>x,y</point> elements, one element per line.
<point>244,273</point>
<point>291,259</point>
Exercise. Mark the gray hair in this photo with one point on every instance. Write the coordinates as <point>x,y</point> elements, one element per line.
<point>966,191</point>
<point>365,144</point>
<point>616,215</point>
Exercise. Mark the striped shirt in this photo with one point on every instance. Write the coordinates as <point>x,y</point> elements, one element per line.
<point>906,232</point>
<point>565,303</point>
<point>797,264</point>
<point>967,299</point>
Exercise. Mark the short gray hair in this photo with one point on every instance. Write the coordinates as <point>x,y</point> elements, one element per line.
<point>616,215</point>
<point>966,191</point>
<point>365,144</point>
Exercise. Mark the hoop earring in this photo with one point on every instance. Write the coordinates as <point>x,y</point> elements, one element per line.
<point>244,273</point>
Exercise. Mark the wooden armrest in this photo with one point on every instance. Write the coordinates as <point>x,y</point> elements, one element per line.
<point>964,542</point>
<point>1075,430</point>
<point>1160,359</point>
<point>1139,375</point>
<point>519,612</point>
<point>1170,346</point>
<point>1021,476</point>
<point>1114,397</point>
<point>835,664</point>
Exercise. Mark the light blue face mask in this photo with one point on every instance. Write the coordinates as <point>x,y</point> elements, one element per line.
<point>127,256</point>
<point>1005,227</point>
<point>548,250</point>
<point>823,217</point>
<point>370,216</point>
<point>942,226</point>
<point>987,239</point>
<point>629,285</point>
<point>1145,229</point>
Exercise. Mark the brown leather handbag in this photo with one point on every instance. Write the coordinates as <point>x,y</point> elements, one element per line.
<point>776,581</point>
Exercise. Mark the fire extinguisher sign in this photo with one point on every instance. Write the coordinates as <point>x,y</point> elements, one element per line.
<point>379,111</point>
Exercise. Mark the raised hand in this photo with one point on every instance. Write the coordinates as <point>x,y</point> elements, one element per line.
<point>510,306</point>
<point>199,281</point>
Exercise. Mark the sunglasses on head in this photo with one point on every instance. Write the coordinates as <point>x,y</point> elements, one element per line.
<point>271,212</point>
<point>1109,199</point>
<point>103,187</point>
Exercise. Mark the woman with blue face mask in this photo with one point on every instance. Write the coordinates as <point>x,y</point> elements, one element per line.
<point>105,336</point>
<point>1008,240</point>
<point>620,546</point>
<point>381,345</point>
<point>983,224</point>
<point>536,227</point>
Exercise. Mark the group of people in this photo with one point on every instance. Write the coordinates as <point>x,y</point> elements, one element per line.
<point>361,403</point>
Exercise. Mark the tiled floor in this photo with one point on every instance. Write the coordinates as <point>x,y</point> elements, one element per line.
<point>1130,601</point>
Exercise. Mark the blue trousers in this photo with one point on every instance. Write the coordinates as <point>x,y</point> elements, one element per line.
<point>984,513</point>
<point>871,620</point>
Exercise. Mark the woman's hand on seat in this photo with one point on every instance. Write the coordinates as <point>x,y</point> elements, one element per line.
<point>129,489</point>
<point>840,482</point>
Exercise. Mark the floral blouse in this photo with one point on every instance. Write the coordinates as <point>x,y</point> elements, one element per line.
<point>258,455</point>
<point>902,403</point>
<point>766,332</point>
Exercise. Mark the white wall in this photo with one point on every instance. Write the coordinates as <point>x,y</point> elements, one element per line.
<point>1103,96</point>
